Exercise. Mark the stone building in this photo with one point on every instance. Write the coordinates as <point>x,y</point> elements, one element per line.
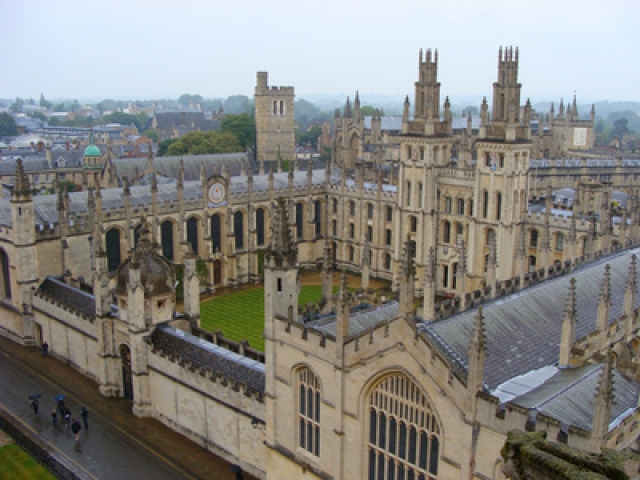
<point>539,323</point>
<point>275,121</point>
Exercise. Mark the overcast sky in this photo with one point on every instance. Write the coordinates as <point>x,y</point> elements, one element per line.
<point>96,49</point>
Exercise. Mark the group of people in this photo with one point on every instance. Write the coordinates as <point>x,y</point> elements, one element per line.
<point>65,416</point>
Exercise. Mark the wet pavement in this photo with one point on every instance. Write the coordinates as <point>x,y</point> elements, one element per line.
<point>117,444</point>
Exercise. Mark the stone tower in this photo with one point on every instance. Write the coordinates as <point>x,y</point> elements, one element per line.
<point>275,121</point>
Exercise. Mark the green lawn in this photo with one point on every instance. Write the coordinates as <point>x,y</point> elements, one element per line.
<point>16,464</point>
<point>240,316</point>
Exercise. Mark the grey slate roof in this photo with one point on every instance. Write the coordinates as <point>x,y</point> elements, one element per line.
<point>170,166</point>
<point>569,394</point>
<point>523,330</point>
<point>359,321</point>
<point>73,298</point>
<point>203,354</point>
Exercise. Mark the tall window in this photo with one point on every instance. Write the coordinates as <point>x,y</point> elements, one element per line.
<point>299,221</point>
<point>447,204</point>
<point>113,249</point>
<point>309,411</point>
<point>5,288</point>
<point>409,193</point>
<point>317,218</point>
<point>485,204</point>
<point>260,225</point>
<point>387,261</point>
<point>533,238</point>
<point>369,210</point>
<point>389,214</point>
<point>404,434</point>
<point>446,232</point>
<point>352,208</point>
<point>420,194</point>
<point>559,242</point>
<point>369,233</point>
<point>352,230</point>
<point>414,223</point>
<point>166,231</point>
<point>192,233</point>
<point>238,230</point>
<point>334,205</point>
<point>498,205</point>
<point>388,237</point>
<point>334,227</point>
<point>461,206</point>
<point>216,233</point>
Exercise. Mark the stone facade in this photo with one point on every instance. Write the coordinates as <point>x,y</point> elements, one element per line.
<point>275,121</point>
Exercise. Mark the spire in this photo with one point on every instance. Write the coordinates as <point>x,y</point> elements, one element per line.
<point>477,352</point>
<point>21,187</point>
<point>603,402</point>
<point>602,318</point>
<point>405,297</point>
<point>282,252</point>
<point>405,111</point>
<point>347,109</point>
<point>630,289</point>
<point>356,106</point>
<point>568,326</point>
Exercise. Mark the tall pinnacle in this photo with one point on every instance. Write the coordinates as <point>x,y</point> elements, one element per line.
<point>282,251</point>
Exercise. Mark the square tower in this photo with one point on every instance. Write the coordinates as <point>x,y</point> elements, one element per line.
<point>275,121</point>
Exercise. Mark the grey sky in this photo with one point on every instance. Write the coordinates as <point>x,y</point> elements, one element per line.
<point>161,49</point>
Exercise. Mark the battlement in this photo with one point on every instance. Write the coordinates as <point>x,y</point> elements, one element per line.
<point>209,360</point>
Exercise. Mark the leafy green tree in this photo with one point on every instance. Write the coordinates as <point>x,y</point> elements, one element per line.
<point>152,134</point>
<point>68,185</point>
<point>54,122</point>
<point>140,120</point>
<point>8,126</point>
<point>367,110</point>
<point>164,146</point>
<point>200,143</point>
<point>309,137</point>
<point>242,126</point>
<point>60,107</point>
<point>16,107</point>
<point>236,104</point>
<point>187,99</point>
<point>620,128</point>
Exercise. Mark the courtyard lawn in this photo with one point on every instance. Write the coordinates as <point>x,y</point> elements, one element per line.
<point>240,315</point>
<point>17,464</point>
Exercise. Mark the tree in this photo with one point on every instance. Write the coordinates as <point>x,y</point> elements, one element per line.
<point>140,120</point>
<point>44,103</point>
<point>152,134</point>
<point>242,126</point>
<point>237,104</point>
<point>309,137</point>
<point>16,107</point>
<point>39,115</point>
<point>164,146</point>
<point>187,99</point>
<point>200,143</point>
<point>8,126</point>
<point>59,107</point>
<point>620,128</point>
<point>368,111</point>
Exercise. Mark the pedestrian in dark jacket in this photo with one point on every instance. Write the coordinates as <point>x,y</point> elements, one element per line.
<point>75,428</point>
<point>35,405</point>
<point>61,407</point>
<point>54,417</point>
<point>85,413</point>
<point>45,349</point>
<point>67,416</point>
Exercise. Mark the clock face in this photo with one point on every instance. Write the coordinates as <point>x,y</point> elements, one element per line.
<point>217,193</point>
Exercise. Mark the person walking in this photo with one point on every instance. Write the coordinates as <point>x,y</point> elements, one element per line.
<point>67,416</point>
<point>54,417</point>
<point>85,413</point>
<point>35,405</point>
<point>75,428</point>
<point>45,349</point>
<point>61,407</point>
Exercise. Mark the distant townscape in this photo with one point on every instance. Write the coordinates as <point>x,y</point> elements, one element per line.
<point>505,234</point>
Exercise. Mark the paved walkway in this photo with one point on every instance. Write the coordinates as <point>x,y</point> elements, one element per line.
<point>117,444</point>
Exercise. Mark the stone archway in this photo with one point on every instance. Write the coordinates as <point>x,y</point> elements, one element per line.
<point>127,378</point>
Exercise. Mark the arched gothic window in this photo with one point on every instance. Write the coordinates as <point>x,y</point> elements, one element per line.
<point>166,232</point>
<point>113,249</point>
<point>6,275</point>
<point>260,226</point>
<point>404,433</point>
<point>308,411</point>
<point>192,233</point>
<point>299,221</point>
<point>238,230</point>
<point>446,232</point>
<point>318,217</point>
<point>216,233</point>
